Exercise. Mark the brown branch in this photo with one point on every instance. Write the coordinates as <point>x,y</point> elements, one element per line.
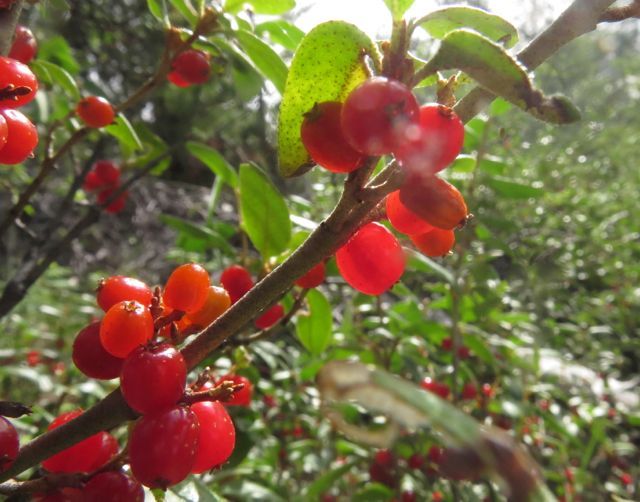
<point>617,14</point>
<point>8,22</point>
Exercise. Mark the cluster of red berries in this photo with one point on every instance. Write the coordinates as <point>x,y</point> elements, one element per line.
<point>190,67</point>
<point>380,117</point>
<point>104,178</point>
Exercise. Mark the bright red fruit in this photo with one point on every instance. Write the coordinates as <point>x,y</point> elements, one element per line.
<point>113,486</point>
<point>376,113</point>
<point>91,182</point>
<point>217,435</point>
<point>163,447</point>
<point>217,302</point>
<point>85,456</point>
<point>435,201</point>
<point>271,316</point>
<point>118,288</point>
<point>4,131</point>
<point>187,288</point>
<point>469,391</point>
<point>433,143</point>
<point>9,444</point>
<point>237,281</point>
<point>314,277</point>
<point>372,260</point>
<point>125,326</point>
<point>22,137</point>
<point>175,78</point>
<point>191,67</point>
<point>241,397</point>
<point>435,243</point>
<point>403,219</point>
<point>107,171</point>
<point>90,357</point>
<point>15,74</point>
<point>24,46</point>
<point>384,458</point>
<point>95,111</point>
<point>116,205</point>
<point>322,136</point>
<point>440,389</point>
<point>153,378</point>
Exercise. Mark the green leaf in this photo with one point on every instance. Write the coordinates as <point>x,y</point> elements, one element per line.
<point>489,64</point>
<point>214,161</point>
<point>126,135</point>
<point>423,263</point>
<point>156,9</point>
<point>328,64</point>
<point>282,32</point>
<point>513,190</point>
<point>265,216</point>
<point>56,50</point>
<point>59,76</point>
<point>315,330</point>
<point>440,22</point>
<point>186,9</point>
<point>398,7</point>
<point>326,481</point>
<point>261,6</point>
<point>264,58</point>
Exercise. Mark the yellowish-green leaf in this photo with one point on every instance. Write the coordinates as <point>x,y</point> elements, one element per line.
<point>315,328</point>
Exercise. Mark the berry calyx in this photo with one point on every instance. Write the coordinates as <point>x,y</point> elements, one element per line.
<point>9,444</point>
<point>153,378</point>
<point>271,316</point>
<point>95,112</point>
<point>372,260</point>
<point>217,436</point>
<point>402,218</point>
<point>113,486</point>
<point>313,278</point>
<point>163,447</point>
<point>435,243</point>
<point>24,47</point>
<point>241,397</point>
<point>21,137</point>
<point>125,326</point>
<point>91,358</point>
<point>322,136</point>
<point>190,67</point>
<point>376,113</point>
<point>187,288</point>
<point>237,281</point>
<point>118,288</point>
<point>17,81</point>
<point>217,302</point>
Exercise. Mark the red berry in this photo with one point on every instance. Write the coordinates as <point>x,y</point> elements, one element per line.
<point>416,461</point>
<point>91,182</point>
<point>237,281</point>
<point>217,302</point>
<point>117,204</point>
<point>487,390</point>
<point>163,447</point>
<point>409,496</point>
<point>626,479</point>
<point>270,317</point>
<point>372,260</point>
<point>464,352</point>
<point>24,46</point>
<point>384,458</point>
<point>440,389</point>
<point>85,456</point>
<point>187,288</point>
<point>241,397</point>
<point>217,436</point>
<point>95,112</point>
<point>153,378</point>
<point>119,288</point>
<point>381,474</point>
<point>113,486</point>
<point>376,113</point>
<point>6,4</point>
<point>4,131</point>
<point>447,344</point>
<point>14,74</point>
<point>313,278</point>
<point>107,171</point>
<point>435,243</point>
<point>191,66</point>
<point>34,357</point>
<point>22,137</point>
<point>322,136</point>
<point>9,444</point>
<point>437,496</point>
<point>90,357</point>
<point>125,326</point>
<point>432,144</point>
<point>435,201</point>
<point>435,454</point>
<point>175,78</point>
<point>469,391</point>
<point>402,219</point>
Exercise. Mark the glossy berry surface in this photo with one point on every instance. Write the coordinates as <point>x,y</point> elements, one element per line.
<point>376,113</point>
<point>313,278</point>
<point>85,456</point>
<point>237,281</point>
<point>433,143</point>
<point>22,137</point>
<point>163,447</point>
<point>435,243</point>
<point>217,435</point>
<point>271,316</point>
<point>113,486</point>
<point>118,288</point>
<point>90,357</point>
<point>24,47</point>
<point>187,288</point>
<point>322,136</point>
<point>434,200</point>
<point>9,444</point>
<point>117,204</point>
<point>175,78</point>
<point>372,260</point>
<point>95,111</point>
<point>402,218</point>
<point>438,388</point>
<point>124,327</point>
<point>15,74</point>
<point>4,131</point>
<point>153,378</point>
<point>241,397</point>
<point>217,302</point>
<point>191,67</point>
